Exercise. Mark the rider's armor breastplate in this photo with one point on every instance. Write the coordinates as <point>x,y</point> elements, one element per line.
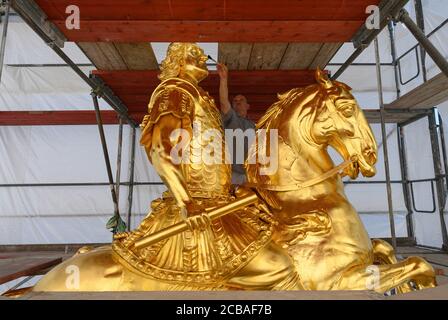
<point>206,172</point>
<point>207,175</point>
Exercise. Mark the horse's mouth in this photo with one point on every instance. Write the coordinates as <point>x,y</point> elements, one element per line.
<point>360,165</point>
<point>363,163</point>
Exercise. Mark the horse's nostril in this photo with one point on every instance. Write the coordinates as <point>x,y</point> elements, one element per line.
<point>370,155</point>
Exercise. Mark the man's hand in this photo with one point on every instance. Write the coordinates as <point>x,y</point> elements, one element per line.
<point>222,71</point>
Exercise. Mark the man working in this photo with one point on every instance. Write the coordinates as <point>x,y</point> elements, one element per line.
<point>235,117</point>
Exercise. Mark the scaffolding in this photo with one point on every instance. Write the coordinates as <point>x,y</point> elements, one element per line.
<point>403,111</point>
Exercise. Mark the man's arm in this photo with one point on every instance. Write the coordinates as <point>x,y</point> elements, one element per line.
<point>223,89</point>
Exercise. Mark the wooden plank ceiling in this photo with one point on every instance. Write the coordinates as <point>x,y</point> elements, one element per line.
<point>211,20</point>
<point>269,46</point>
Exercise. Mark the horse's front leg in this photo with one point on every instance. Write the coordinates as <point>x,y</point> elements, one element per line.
<point>383,278</point>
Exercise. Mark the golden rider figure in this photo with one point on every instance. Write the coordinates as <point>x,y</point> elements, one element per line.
<point>234,251</point>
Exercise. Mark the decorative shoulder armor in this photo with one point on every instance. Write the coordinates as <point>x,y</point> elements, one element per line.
<point>173,96</point>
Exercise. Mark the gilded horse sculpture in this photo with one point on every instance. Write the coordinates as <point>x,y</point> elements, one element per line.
<point>316,222</point>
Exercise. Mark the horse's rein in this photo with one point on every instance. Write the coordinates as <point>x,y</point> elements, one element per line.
<point>297,186</point>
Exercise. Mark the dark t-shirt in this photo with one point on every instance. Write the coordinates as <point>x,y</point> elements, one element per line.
<point>231,120</point>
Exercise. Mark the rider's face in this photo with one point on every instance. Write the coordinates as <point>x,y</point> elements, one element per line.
<point>195,64</point>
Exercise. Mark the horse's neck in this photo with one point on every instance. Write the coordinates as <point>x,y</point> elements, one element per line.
<point>308,161</point>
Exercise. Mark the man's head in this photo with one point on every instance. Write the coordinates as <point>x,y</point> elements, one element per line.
<point>240,105</point>
<point>185,60</point>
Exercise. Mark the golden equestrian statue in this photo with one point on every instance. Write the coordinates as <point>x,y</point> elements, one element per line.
<point>234,251</point>
<point>291,229</point>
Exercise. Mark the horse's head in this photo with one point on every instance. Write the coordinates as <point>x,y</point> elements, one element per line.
<point>341,124</point>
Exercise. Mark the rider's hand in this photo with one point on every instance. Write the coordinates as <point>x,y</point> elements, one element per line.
<point>222,71</point>
<point>198,222</point>
<point>196,218</point>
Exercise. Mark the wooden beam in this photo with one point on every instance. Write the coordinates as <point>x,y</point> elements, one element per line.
<point>240,77</point>
<point>72,117</point>
<point>210,9</point>
<point>137,110</point>
<point>211,31</point>
<point>11,269</point>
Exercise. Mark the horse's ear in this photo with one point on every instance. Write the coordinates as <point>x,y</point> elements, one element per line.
<point>322,79</point>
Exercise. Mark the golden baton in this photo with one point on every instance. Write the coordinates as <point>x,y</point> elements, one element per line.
<point>177,228</point>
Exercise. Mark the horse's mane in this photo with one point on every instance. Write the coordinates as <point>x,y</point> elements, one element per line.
<point>284,100</point>
<point>302,102</point>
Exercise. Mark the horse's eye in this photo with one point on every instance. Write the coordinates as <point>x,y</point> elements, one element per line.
<point>348,112</point>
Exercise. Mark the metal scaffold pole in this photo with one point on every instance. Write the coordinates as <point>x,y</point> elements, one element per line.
<point>432,51</point>
<point>131,178</point>
<point>5,23</point>
<point>405,181</point>
<point>120,147</point>
<point>385,151</point>
<point>106,157</point>
<point>401,141</point>
<point>438,173</point>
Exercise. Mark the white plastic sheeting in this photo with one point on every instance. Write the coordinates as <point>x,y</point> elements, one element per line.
<point>52,154</point>
<point>61,154</point>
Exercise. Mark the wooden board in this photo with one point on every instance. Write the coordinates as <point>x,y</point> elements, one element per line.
<point>286,56</point>
<point>427,95</point>
<point>266,56</point>
<point>120,56</point>
<point>326,52</point>
<point>299,55</point>
<point>235,55</point>
<point>103,55</point>
<point>11,269</point>
<point>138,56</point>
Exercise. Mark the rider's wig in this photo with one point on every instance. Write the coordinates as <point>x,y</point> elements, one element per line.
<point>175,58</point>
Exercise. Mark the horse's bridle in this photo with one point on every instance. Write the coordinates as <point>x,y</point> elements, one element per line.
<point>297,186</point>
